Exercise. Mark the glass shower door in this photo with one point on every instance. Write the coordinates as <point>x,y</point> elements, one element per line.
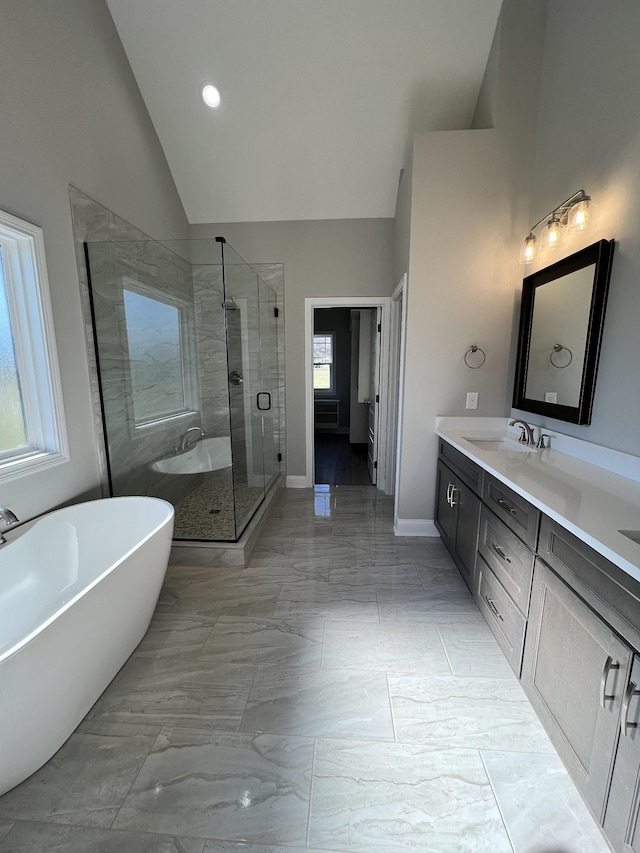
<point>268,399</point>
<point>242,318</point>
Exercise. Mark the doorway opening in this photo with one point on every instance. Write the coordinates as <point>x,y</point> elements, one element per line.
<point>349,428</point>
<point>345,376</point>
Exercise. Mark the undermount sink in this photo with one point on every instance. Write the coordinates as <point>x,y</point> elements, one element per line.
<point>634,535</point>
<point>209,454</point>
<point>502,445</point>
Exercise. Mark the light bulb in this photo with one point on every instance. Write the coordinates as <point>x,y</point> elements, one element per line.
<point>578,217</point>
<point>551,234</point>
<point>528,251</point>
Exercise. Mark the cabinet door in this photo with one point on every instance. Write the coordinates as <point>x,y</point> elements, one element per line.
<point>467,522</point>
<point>621,819</point>
<point>445,481</point>
<point>574,673</point>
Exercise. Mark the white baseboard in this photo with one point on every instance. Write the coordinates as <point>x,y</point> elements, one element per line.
<point>295,481</point>
<point>415,527</point>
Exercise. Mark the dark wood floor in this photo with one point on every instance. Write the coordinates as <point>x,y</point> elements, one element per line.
<point>338,462</point>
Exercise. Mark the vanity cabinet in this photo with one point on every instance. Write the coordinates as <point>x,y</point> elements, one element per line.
<point>568,621</point>
<point>574,671</point>
<point>457,512</point>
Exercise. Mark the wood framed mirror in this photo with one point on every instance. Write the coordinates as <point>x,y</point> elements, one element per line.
<point>561,321</point>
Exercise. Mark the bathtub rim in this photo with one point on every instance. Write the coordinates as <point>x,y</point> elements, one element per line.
<point>18,532</point>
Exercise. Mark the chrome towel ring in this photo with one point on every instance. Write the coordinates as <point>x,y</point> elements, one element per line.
<point>474,357</point>
<point>556,352</point>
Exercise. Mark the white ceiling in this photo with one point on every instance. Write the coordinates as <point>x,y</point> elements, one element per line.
<point>321,97</point>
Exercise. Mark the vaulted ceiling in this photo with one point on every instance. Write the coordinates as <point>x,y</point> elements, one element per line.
<point>321,98</point>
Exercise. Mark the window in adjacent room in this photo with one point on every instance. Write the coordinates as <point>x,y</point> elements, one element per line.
<point>323,362</point>
<point>32,428</point>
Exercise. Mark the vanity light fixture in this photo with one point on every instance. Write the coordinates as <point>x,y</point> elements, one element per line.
<point>211,95</point>
<point>572,214</point>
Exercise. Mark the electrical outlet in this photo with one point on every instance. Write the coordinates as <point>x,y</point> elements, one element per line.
<point>472,400</point>
<point>551,396</point>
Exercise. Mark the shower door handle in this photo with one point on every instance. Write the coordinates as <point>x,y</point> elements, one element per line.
<point>259,396</point>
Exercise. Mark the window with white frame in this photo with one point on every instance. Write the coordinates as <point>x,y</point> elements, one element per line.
<point>161,348</point>
<point>323,362</point>
<point>32,428</point>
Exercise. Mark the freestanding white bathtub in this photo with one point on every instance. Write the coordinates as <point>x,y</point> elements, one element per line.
<point>78,588</point>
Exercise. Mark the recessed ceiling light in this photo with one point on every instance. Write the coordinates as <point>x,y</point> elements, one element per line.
<point>211,95</point>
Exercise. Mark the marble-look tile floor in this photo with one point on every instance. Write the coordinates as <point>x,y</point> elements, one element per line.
<point>341,694</point>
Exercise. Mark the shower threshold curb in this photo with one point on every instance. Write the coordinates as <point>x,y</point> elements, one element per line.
<point>227,554</point>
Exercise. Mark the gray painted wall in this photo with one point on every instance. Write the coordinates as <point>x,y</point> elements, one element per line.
<point>463,205</point>
<point>71,113</point>
<point>402,223</point>
<point>346,257</point>
<point>459,293</point>
<point>588,135</point>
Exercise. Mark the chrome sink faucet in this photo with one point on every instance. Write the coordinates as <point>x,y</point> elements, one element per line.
<point>10,518</point>
<point>188,439</point>
<point>526,432</point>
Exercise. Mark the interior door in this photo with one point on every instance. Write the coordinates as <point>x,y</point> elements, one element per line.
<point>374,396</point>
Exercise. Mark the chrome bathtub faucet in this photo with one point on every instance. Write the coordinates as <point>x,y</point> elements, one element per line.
<point>188,438</point>
<point>10,519</point>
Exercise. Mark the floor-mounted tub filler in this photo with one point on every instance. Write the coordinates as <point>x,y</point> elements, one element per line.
<point>78,588</point>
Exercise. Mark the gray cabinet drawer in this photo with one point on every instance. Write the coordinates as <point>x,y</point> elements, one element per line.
<point>509,559</point>
<point>608,590</point>
<point>505,620</point>
<point>517,513</point>
<point>468,471</point>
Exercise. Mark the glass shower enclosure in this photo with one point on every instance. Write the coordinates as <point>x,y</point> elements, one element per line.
<point>186,337</point>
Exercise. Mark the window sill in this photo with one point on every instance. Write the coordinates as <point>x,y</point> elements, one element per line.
<point>30,463</point>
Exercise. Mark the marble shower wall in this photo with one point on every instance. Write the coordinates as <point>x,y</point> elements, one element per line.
<point>211,348</point>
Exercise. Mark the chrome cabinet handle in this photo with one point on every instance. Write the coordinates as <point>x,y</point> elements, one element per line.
<point>500,552</point>
<point>629,693</point>
<point>492,607</point>
<point>505,506</point>
<point>609,665</point>
<point>449,487</point>
<point>452,502</point>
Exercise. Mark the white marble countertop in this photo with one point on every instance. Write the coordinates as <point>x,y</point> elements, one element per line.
<point>593,503</point>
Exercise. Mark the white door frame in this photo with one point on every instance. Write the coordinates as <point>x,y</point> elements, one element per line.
<point>382,302</point>
<point>396,380</point>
